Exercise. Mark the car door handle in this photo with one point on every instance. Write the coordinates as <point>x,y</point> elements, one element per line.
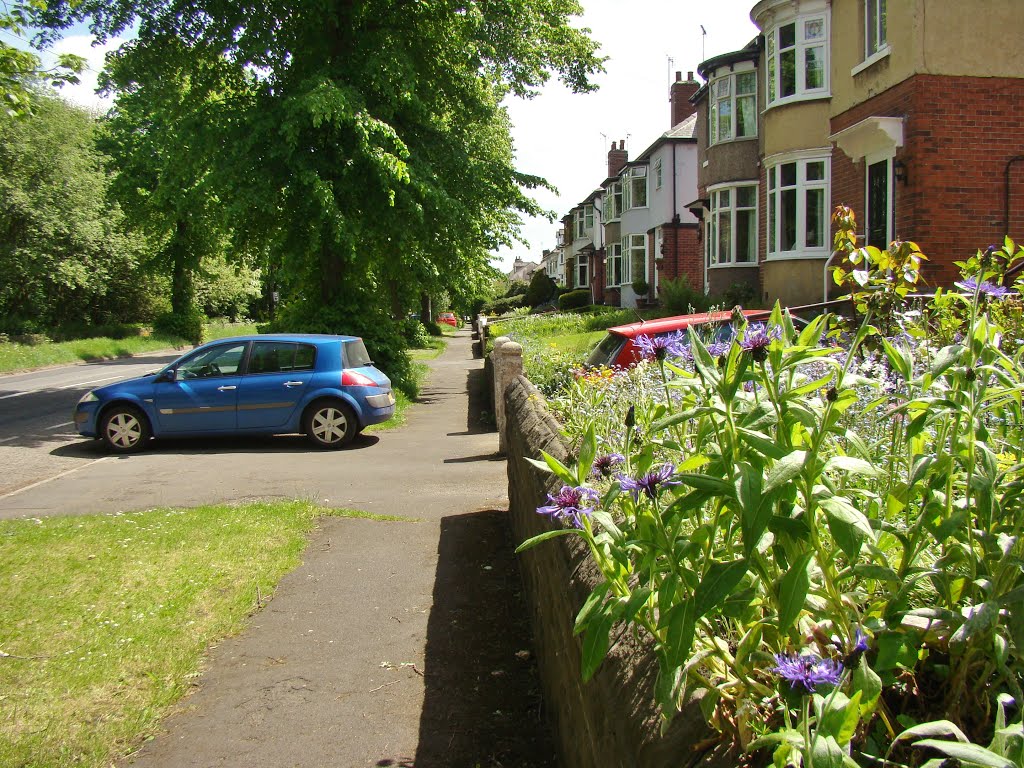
<point>290,384</point>
<point>225,389</point>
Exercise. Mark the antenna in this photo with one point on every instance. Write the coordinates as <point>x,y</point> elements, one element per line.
<point>703,39</point>
<point>671,61</point>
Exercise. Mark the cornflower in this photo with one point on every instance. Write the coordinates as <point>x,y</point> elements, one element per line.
<point>604,464</point>
<point>756,339</point>
<point>650,483</point>
<point>807,670</point>
<point>971,285</point>
<point>661,346</point>
<point>570,505</point>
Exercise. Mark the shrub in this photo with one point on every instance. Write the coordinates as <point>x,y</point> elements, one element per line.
<point>188,326</point>
<point>742,294</point>
<point>574,299</point>
<point>542,289</point>
<point>505,305</point>
<point>415,333</point>
<point>681,298</point>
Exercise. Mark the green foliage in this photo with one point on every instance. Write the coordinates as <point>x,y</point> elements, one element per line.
<point>680,298</point>
<point>574,299</point>
<point>66,256</point>
<point>416,333</point>
<point>517,288</point>
<point>861,506</point>
<point>504,306</point>
<point>225,289</point>
<point>183,325</point>
<point>542,289</point>
<point>740,294</point>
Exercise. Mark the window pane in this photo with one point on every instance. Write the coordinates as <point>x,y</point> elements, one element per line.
<point>746,116</point>
<point>746,230</point>
<point>787,223</point>
<point>814,67</point>
<point>871,27</point>
<point>722,87</point>
<point>816,171</point>
<point>723,198</point>
<point>772,208</point>
<point>772,92</point>
<point>724,238</point>
<point>713,124</point>
<point>746,82</point>
<point>305,355</point>
<point>712,240</point>
<point>787,73</point>
<point>788,171</point>
<point>638,193</point>
<point>814,29</point>
<point>787,36</point>
<point>882,36</point>
<point>815,199</point>
<point>725,120</point>
<point>745,197</point>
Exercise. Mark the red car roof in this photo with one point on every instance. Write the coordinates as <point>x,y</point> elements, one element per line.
<point>680,322</point>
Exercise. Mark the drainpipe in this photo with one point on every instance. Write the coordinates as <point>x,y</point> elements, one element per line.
<point>824,292</point>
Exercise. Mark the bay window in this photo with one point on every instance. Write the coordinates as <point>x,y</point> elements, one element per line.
<point>613,266</point>
<point>614,198</point>
<point>634,188</point>
<point>634,258</point>
<point>732,226</point>
<point>584,221</point>
<point>733,109</point>
<point>797,59</point>
<point>798,199</point>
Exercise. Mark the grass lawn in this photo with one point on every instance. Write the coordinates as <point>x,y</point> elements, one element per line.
<point>106,618</point>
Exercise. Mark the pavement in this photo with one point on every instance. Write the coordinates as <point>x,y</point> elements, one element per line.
<point>394,643</point>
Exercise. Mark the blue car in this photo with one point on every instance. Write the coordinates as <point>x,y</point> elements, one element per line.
<point>323,386</point>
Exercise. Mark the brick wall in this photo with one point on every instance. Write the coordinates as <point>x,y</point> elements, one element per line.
<point>610,721</point>
<point>958,136</point>
<point>682,255</point>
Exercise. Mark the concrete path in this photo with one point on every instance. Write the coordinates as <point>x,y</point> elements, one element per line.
<point>395,643</point>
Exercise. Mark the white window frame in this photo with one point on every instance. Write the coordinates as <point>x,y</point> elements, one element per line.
<point>614,201</point>
<point>722,90</point>
<point>633,177</point>
<point>658,175</point>
<point>801,45</point>
<point>584,221</point>
<point>713,258</point>
<point>633,244</point>
<point>773,166</point>
<point>613,264</point>
<point>582,276</point>
<point>875,40</point>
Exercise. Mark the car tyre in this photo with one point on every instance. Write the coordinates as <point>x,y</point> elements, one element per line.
<point>330,424</point>
<point>124,429</point>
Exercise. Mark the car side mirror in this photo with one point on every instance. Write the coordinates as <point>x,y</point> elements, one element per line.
<point>171,374</point>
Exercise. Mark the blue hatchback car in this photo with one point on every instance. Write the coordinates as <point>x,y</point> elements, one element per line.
<point>323,386</point>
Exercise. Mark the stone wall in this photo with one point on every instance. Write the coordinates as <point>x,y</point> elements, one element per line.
<point>610,721</point>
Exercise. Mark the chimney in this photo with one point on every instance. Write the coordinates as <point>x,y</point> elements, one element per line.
<point>679,97</point>
<point>617,157</point>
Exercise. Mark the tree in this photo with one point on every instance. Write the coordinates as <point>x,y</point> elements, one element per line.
<point>20,69</point>
<point>369,153</point>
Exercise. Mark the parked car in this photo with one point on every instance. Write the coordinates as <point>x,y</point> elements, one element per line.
<point>619,350</point>
<point>448,318</point>
<point>323,386</point>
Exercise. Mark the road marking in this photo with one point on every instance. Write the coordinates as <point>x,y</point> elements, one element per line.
<point>8,439</point>
<point>55,477</point>
<point>14,394</point>
<point>91,381</point>
<point>62,424</point>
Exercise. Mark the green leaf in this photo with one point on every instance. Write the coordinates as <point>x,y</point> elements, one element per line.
<point>706,483</point>
<point>761,443</point>
<point>868,685</point>
<point>840,509</point>
<point>899,358</point>
<point>679,638</point>
<point>718,582</point>
<point>933,728</point>
<point>636,601</point>
<point>980,619</point>
<point>827,753</point>
<point>785,469</point>
<point>852,466</point>
<point>793,587</point>
<point>595,644</point>
<point>588,452</point>
<point>591,607</point>
<point>534,541</point>
<point>557,468</point>
<point>970,754</point>
<point>946,357</point>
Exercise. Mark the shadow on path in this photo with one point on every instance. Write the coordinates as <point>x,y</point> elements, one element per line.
<point>482,704</point>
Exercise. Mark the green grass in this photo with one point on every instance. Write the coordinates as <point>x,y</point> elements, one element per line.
<point>106,618</point>
<point>17,357</point>
<point>221,330</point>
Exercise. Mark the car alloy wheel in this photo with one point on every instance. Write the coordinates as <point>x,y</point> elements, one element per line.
<point>331,424</point>
<point>124,429</point>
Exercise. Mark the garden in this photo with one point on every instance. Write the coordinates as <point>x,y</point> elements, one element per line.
<point>818,529</point>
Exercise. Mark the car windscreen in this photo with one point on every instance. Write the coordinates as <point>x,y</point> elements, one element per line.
<point>605,352</point>
<point>356,355</point>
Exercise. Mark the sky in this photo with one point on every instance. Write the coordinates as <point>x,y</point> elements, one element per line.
<point>565,137</point>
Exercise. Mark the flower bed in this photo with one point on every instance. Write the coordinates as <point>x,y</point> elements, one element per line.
<point>821,534</point>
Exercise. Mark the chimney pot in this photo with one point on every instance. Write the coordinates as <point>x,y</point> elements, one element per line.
<point>679,76</point>
<point>689,76</point>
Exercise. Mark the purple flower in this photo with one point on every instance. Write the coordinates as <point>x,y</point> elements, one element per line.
<point>661,346</point>
<point>604,464</point>
<point>719,348</point>
<point>971,285</point>
<point>570,505</point>
<point>860,647</point>
<point>808,670</point>
<point>756,339</point>
<point>648,484</point>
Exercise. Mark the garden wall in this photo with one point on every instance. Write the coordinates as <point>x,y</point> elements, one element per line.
<point>610,721</point>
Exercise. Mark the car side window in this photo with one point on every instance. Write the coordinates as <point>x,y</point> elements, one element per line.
<point>223,360</point>
<point>281,357</point>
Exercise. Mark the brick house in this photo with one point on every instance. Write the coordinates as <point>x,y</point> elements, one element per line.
<point>904,111</point>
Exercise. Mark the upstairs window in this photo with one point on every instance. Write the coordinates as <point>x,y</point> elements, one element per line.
<point>614,198</point>
<point>634,188</point>
<point>584,221</point>
<point>733,113</point>
<point>797,60</point>
<point>658,175</point>
<point>874,27</point>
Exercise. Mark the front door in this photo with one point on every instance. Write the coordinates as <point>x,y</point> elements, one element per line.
<point>204,394</point>
<point>878,205</point>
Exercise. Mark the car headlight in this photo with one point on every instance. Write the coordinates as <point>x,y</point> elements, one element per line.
<point>88,397</point>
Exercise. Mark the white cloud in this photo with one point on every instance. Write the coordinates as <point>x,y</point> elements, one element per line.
<point>84,93</point>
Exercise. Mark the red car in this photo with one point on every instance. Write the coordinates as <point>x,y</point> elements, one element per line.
<point>618,349</point>
<point>448,318</point>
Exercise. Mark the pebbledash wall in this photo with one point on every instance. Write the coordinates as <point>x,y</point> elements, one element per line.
<point>610,721</point>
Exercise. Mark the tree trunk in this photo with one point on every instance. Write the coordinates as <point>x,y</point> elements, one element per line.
<point>183,293</point>
<point>425,316</point>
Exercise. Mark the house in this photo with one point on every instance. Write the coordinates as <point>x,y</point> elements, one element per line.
<point>906,112</point>
<point>522,271</point>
